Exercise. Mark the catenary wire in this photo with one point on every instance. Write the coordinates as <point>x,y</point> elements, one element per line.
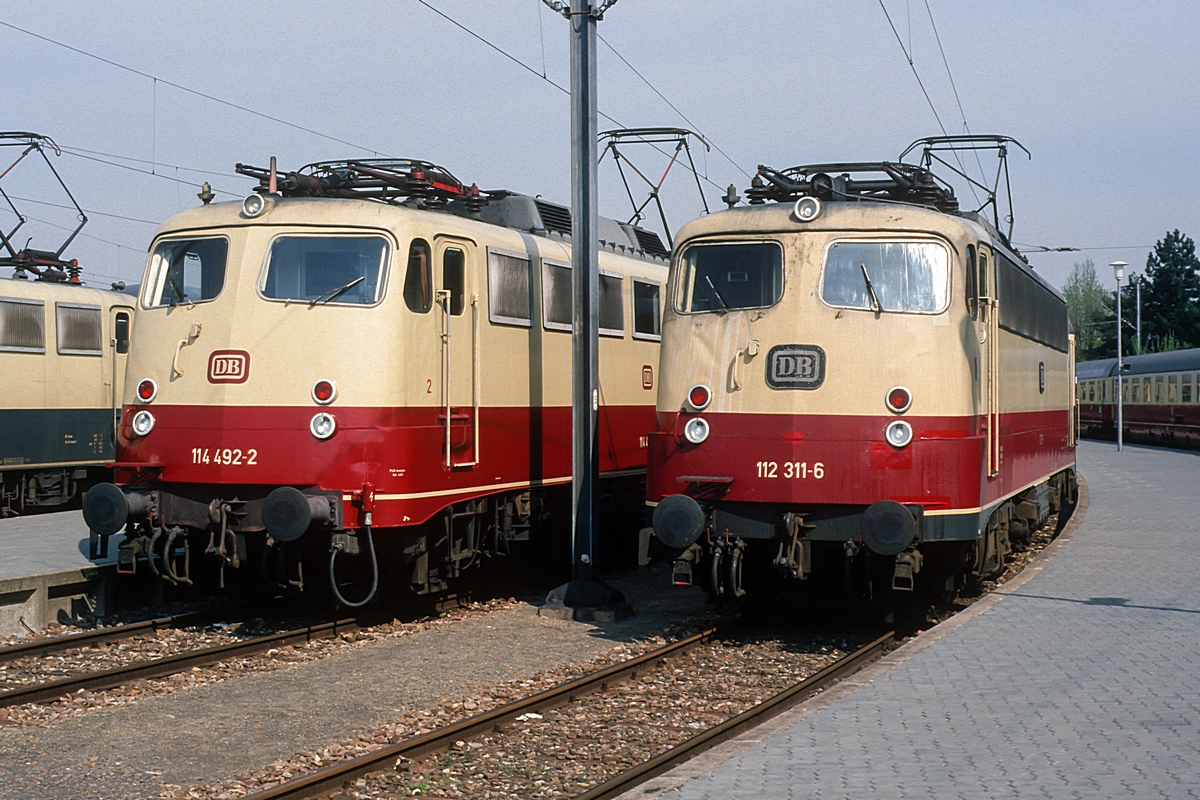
<point>950,75</point>
<point>149,173</point>
<point>674,108</point>
<point>189,90</point>
<point>556,85</point>
<point>921,83</point>
<point>86,210</point>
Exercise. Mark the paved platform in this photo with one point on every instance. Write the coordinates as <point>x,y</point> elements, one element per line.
<point>1082,680</point>
<point>45,572</point>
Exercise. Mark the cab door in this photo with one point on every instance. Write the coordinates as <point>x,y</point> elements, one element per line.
<point>988,325</point>
<point>458,305</point>
<point>121,326</point>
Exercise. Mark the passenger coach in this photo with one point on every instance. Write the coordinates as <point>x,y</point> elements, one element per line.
<point>1160,398</point>
<point>369,348</point>
<point>859,383</point>
<point>63,347</point>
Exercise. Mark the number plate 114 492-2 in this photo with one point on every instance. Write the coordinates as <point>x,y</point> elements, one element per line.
<point>230,457</point>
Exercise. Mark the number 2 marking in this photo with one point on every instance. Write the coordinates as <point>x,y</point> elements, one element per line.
<point>429,386</point>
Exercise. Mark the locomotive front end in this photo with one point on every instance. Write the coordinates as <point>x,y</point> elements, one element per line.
<point>826,400</point>
<point>251,415</point>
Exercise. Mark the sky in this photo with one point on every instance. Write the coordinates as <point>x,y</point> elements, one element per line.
<point>1105,95</point>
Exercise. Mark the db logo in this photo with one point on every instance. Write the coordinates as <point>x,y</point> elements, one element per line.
<point>228,366</point>
<point>647,377</point>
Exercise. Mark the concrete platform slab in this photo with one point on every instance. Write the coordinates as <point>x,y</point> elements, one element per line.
<point>45,573</point>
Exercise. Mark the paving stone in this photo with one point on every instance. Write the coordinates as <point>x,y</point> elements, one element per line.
<point>1081,682</point>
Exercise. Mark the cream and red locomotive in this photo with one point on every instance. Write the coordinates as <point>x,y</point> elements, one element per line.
<point>368,353</point>
<point>859,382</point>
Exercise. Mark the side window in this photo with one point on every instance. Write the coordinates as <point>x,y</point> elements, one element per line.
<point>509,288</point>
<point>453,280</point>
<point>418,278</point>
<point>647,310</point>
<point>121,332</point>
<point>79,329</point>
<point>984,287</point>
<point>1158,390</point>
<point>22,325</point>
<point>556,295</point>
<point>1125,390</point>
<point>612,305</point>
<point>1186,396</point>
<point>972,292</point>
<point>1173,390</point>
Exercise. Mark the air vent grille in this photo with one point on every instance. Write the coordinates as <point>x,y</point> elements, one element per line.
<point>555,218</point>
<point>649,241</point>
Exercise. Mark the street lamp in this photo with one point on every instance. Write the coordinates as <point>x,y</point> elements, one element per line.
<point>1119,272</point>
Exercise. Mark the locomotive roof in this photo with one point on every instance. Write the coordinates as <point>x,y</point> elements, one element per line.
<point>856,216</point>
<point>1174,361</point>
<point>504,208</point>
<point>31,287</point>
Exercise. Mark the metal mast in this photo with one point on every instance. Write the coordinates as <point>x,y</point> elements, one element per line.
<point>582,591</point>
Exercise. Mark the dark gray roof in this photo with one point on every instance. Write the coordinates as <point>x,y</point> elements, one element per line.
<point>1174,361</point>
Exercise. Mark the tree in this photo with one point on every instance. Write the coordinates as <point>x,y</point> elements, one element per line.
<point>1171,296</point>
<point>1090,311</point>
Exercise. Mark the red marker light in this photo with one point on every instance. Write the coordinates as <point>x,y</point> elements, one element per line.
<point>323,391</point>
<point>699,397</point>
<point>898,400</point>
<point>146,390</point>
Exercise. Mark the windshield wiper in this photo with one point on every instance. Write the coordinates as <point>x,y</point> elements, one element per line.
<point>179,293</point>
<point>871,290</point>
<point>716,294</point>
<point>325,297</point>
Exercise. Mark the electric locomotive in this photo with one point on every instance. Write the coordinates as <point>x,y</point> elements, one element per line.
<point>369,354</point>
<point>1160,398</point>
<point>860,383</point>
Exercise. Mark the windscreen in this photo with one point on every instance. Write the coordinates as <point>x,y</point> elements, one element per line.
<point>343,270</point>
<point>186,271</point>
<point>725,277</point>
<point>886,276</point>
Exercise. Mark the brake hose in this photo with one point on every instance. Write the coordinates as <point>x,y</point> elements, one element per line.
<point>374,575</point>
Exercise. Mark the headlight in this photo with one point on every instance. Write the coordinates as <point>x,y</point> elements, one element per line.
<point>807,209</point>
<point>696,430</point>
<point>143,422</point>
<point>898,433</point>
<point>323,425</point>
<point>255,205</point>
<point>147,390</point>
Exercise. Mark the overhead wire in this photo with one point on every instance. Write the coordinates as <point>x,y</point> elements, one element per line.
<point>950,75</point>
<point>192,91</point>
<point>674,108</point>
<point>540,76</point>
<point>151,172</point>
<point>911,65</point>
<point>86,210</point>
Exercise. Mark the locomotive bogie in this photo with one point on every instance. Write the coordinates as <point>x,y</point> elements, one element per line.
<point>871,393</point>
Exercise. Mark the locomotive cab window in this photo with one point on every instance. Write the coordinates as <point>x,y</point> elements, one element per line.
<point>453,277</point>
<point>186,271</point>
<point>418,278</point>
<point>732,276</point>
<point>338,270</point>
<point>887,276</point>
<point>647,319</point>
<point>121,332</point>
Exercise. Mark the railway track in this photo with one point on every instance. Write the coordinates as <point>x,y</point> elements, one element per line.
<point>115,633</point>
<point>100,680</point>
<point>334,777</point>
